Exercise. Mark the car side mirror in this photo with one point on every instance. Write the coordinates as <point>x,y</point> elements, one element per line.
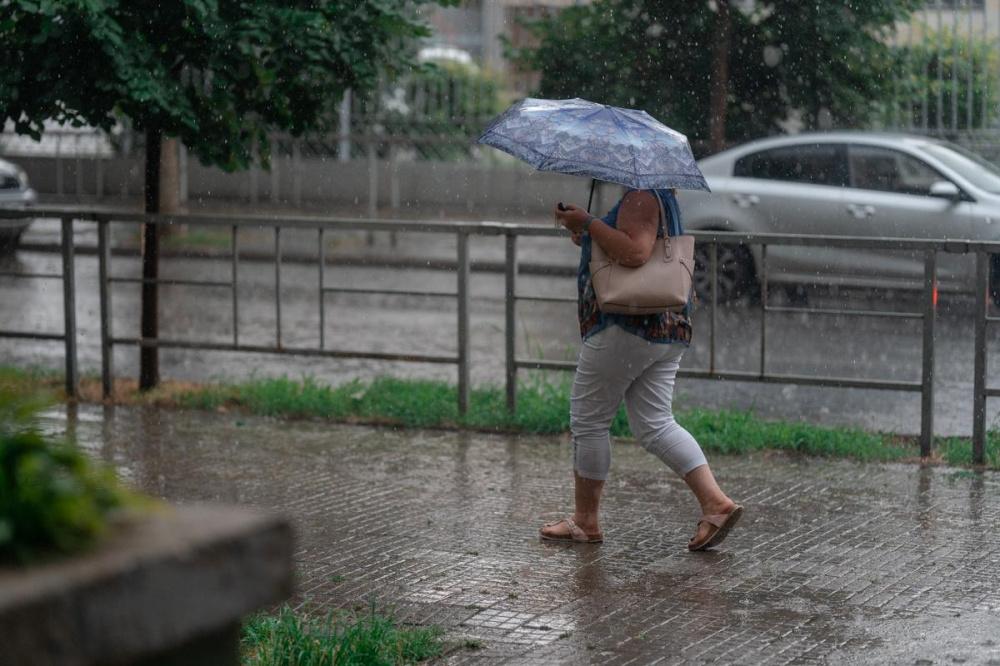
<point>945,189</point>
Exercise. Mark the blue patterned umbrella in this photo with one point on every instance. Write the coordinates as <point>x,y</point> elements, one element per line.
<point>582,138</point>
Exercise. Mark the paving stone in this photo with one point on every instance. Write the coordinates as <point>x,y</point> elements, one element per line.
<point>835,561</point>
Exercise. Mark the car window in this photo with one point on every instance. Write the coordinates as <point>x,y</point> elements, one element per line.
<point>887,170</point>
<point>976,169</point>
<point>816,163</point>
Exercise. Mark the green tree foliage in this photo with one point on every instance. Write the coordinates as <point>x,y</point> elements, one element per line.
<point>813,57</point>
<point>951,81</point>
<point>217,74</point>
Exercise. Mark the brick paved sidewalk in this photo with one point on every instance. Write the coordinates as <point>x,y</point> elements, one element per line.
<point>834,561</point>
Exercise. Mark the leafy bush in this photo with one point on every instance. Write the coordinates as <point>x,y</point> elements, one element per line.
<point>53,499</point>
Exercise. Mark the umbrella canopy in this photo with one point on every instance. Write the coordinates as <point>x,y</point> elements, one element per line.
<point>578,137</point>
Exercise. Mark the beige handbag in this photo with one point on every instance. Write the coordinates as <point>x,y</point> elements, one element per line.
<point>662,284</point>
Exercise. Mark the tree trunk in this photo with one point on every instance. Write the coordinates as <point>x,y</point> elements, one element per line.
<point>149,357</point>
<point>170,177</point>
<point>720,77</point>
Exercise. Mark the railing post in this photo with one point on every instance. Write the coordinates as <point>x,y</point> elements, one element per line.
<point>275,175</point>
<point>927,377</point>
<point>979,353</point>
<point>104,291</point>
<point>235,279</point>
<point>277,286</point>
<point>715,307</point>
<point>69,306</point>
<point>763,309</point>
<point>296,172</point>
<point>322,304</point>
<point>510,328</point>
<point>463,322</point>
<point>372,188</point>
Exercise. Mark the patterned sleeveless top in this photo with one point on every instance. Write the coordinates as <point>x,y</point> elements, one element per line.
<point>663,328</point>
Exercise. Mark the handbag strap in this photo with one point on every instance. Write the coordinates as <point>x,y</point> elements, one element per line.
<point>675,215</point>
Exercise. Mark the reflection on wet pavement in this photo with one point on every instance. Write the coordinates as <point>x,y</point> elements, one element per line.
<point>835,561</point>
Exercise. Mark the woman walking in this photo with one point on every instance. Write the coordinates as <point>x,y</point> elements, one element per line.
<point>635,358</point>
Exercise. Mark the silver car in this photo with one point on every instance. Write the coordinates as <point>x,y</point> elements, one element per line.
<point>14,193</point>
<point>846,184</point>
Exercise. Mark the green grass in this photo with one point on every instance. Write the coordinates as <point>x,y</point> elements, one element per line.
<point>288,639</point>
<point>543,408</point>
<point>199,239</point>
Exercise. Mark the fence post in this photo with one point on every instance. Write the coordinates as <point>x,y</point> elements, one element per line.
<point>59,169</point>
<point>296,172</point>
<point>69,306</point>
<point>344,128</point>
<point>394,198</point>
<point>372,187</point>
<point>183,182</point>
<point>979,351</point>
<point>463,322</point>
<point>104,291</point>
<point>510,330</point>
<point>254,175</point>
<point>99,185</point>
<point>275,177</point>
<point>927,377</point>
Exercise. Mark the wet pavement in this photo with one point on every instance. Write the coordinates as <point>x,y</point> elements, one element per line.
<point>835,561</point>
<point>841,346</point>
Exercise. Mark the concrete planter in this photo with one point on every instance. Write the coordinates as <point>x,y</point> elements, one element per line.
<point>168,590</point>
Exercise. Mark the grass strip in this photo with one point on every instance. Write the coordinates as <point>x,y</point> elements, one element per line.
<point>542,408</point>
<point>288,639</point>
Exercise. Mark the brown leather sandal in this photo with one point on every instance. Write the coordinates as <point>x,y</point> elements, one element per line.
<point>576,535</point>
<point>722,522</point>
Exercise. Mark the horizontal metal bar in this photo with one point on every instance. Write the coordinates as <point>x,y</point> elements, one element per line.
<point>489,228</point>
<point>545,365</point>
<point>803,380</point>
<point>171,281</point>
<point>291,351</point>
<point>993,319</point>
<point>40,276</point>
<point>387,292</point>
<point>992,392</point>
<point>546,299</point>
<point>851,313</point>
<point>27,335</point>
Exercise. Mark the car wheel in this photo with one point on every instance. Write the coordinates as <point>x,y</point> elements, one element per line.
<point>737,277</point>
<point>995,279</point>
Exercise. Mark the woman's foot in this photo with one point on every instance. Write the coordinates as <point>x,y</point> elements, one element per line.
<point>717,519</point>
<point>582,529</point>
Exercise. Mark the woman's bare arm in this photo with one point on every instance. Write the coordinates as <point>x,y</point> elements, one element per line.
<point>632,242</point>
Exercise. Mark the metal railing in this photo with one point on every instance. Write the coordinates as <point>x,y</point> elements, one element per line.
<point>462,231</point>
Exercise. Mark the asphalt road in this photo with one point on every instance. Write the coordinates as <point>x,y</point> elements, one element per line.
<point>796,343</point>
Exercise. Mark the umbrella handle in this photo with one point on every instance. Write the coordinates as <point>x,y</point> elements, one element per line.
<point>590,200</point>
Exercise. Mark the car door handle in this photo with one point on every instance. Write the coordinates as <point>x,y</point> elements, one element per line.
<point>860,211</point>
<point>746,200</point>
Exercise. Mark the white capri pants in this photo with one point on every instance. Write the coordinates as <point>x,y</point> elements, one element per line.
<point>615,364</point>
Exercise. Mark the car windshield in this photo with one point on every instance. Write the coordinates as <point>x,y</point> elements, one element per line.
<point>976,169</point>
